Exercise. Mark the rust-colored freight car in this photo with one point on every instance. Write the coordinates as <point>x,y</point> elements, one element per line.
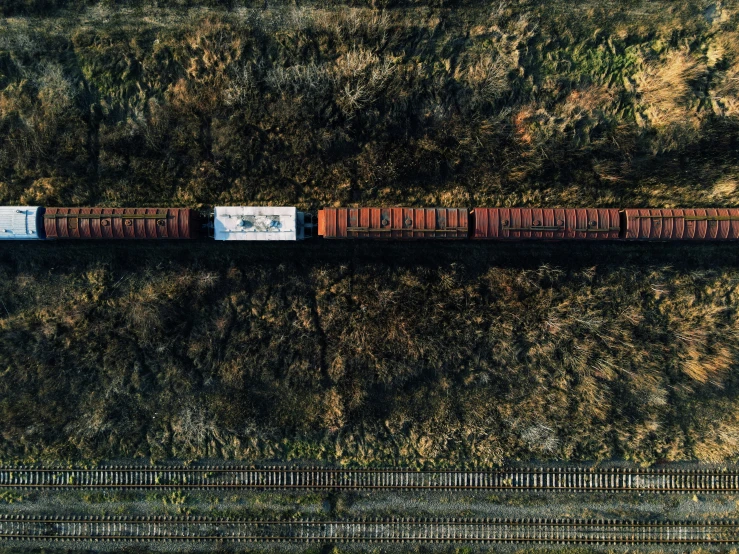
<point>690,224</point>
<point>393,223</point>
<point>121,223</point>
<point>545,223</point>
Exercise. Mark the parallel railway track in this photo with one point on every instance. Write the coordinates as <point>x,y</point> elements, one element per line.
<point>459,530</point>
<point>287,478</point>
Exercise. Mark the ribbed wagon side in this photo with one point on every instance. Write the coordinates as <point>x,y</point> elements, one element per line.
<point>393,223</point>
<point>122,223</point>
<point>687,224</point>
<point>545,223</point>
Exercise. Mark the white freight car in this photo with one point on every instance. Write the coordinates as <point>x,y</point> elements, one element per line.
<point>21,223</point>
<point>260,223</point>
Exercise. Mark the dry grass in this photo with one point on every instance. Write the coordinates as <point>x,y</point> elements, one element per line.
<point>419,356</point>
<point>319,106</point>
<point>725,95</point>
<point>669,98</point>
<point>400,356</point>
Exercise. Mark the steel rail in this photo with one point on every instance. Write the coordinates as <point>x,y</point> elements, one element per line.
<point>288,478</point>
<point>423,530</point>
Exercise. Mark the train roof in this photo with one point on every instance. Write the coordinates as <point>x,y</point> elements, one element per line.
<point>19,223</point>
<point>257,223</point>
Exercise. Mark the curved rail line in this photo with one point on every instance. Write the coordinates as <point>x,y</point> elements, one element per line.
<point>286,478</point>
<point>462,530</point>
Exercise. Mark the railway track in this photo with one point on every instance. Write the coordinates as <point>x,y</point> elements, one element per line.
<point>286,478</point>
<point>459,530</point>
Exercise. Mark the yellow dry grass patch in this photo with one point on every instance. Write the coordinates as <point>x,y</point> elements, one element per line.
<point>455,197</point>
<point>666,89</point>
<point>725,189</point>
<point>668,101</point>
<point>42,191</point>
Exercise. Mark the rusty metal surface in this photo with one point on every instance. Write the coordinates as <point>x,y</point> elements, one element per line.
<point>545,223</point>
<point>689,224</point>
<point>121,223</point>
<point>393,223</point>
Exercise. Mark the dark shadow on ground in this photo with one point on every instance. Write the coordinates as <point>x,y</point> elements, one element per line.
<point>525,255</point>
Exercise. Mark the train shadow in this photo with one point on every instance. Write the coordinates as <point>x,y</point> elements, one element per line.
<point>524,255</point>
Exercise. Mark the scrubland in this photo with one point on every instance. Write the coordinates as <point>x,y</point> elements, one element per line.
<point>529,103</point>
<point>370,354</point>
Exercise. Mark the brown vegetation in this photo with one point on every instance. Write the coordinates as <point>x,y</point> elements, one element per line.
<point>369,353</point>
<point>314,106</point>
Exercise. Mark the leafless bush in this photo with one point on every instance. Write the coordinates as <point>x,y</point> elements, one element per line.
<point>193,429</point>
<point>17,42</point>
<point>299,17</point>
<point>362,76</point>
<point>540,438</point>
<point>702,355</point>
<point>488,77</point>
<point>37,104</point>
<point>309,79</point>
<point>354,97</point>
<point>56,91</point>
<point>355,62</point>
<point>242,87</point>
<point>333,411</point>
<point>358,78</point>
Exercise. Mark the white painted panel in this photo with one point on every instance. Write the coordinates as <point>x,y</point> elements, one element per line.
<point>255,223</point>
<point>19,223</point>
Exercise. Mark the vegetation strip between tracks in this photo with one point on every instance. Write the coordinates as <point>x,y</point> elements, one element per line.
<point>224,477</point>
<point>582,531</point>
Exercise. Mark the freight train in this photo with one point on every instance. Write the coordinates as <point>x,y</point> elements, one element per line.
<point>250,223</point>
